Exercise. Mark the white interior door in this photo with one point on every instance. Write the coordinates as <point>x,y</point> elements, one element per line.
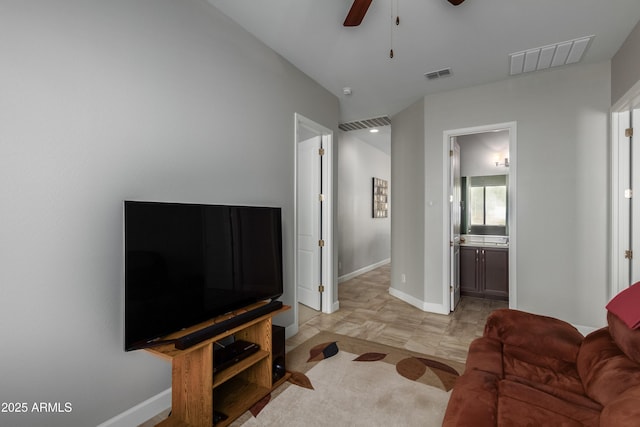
<point>634,221</point>
<point>626,214</point>
<point>309,224</point>
<point>455,200</point>
<point>622,201</point>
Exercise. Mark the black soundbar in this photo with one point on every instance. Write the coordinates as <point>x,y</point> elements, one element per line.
<point>218,328</point>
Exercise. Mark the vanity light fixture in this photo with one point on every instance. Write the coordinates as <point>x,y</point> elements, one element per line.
<point>374,130</point>
<point>505,164</point>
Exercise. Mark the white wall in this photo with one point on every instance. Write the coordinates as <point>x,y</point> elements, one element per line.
<point>562,182</point>
<point>625,66</point>
<point>112,100</point>
<point>363,241</point>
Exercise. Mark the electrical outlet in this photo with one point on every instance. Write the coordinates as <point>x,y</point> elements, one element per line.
<point>403,278</point>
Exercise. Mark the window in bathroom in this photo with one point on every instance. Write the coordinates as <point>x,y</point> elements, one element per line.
<point>487,204</point>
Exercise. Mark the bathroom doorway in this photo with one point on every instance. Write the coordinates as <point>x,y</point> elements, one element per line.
<point>481,206</point>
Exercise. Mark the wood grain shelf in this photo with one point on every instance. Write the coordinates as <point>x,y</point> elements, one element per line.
<point>226,374</point>
<point>237,396</point>
<point>196,390</point>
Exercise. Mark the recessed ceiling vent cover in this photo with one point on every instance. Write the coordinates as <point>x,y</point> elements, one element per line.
<point>366,124</point>
<point>544,57</point>
<point>445,72</point>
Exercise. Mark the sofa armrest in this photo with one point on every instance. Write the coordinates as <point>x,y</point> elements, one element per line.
<point>623,411</point>
<point>485,354</point>
<point>473,401</point>
<point>537,334</point>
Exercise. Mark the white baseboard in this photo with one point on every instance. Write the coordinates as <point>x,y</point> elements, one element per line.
<point>141,412</point>
<point>290,331</point>
<point>335,307</point>
<point>363,270</point>
<point>424,306</point>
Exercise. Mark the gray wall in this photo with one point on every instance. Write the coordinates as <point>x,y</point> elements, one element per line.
<point>479,152</point>
<point>407,221</point>
<point>625,66</point>
<point>562,187</point>
<point>104,101</point>
<point>363,241</point>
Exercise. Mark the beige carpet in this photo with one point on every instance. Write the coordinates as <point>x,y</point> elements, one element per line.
<point>387,386</point>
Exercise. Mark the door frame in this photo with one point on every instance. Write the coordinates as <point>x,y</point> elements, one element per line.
<point>620,116</point>
<point>455,194</point>
<point>511,127</point>
<point>327,298</point>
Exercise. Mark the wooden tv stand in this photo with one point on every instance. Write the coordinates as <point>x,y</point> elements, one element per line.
<point>196,391</point>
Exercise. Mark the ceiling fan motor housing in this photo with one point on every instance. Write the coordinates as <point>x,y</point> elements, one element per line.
<point>359,10</point>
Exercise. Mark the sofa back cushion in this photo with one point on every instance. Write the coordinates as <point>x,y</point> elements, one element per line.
<point>535,334</point>
<point>606,372</point>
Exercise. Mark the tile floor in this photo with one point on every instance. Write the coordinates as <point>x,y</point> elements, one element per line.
<point>368,311</point>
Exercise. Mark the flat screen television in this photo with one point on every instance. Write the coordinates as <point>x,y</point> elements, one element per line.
<point>187,263</point>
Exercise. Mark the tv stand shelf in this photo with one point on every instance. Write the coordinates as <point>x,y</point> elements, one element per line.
<point>226,374</point>
<point>196,390</point>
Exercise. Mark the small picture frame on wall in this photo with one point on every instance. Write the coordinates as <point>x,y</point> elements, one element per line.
<point>380,198</point>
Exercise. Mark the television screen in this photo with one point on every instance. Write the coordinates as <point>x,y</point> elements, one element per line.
<point>187,263</point>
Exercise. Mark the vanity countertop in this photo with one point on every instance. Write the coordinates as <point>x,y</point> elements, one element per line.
<point>484,241</point>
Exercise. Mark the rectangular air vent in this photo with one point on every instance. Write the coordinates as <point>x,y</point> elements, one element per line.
<point>445,72</point>
<point>544,57</point>
<point>366,124</point>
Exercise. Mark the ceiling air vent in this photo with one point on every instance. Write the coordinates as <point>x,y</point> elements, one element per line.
<point>366,124</point>
<point>445,72</point>
<point>544,57</point>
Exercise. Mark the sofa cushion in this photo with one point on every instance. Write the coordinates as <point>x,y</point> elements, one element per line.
<point>521,405</point>
<point>520,362</point>
<point>627,339</point>
<point>541,335</point>
<point>622,411</point>
<point>606,372</point>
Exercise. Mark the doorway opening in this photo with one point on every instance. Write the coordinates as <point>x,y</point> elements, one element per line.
<point>480,204</point>
<point>313,242</point>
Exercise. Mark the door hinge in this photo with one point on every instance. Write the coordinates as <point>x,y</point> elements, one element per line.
<point>321,197</point>
<point>628,193</point>
<point>450,153</point>
<point>628,254</point>
<point>321,152</point>
<point>628,132</point>
<point>320,288</point>
<point>321,243</point>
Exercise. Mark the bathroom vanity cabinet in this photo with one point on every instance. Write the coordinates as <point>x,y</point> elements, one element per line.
<point>484,272</point>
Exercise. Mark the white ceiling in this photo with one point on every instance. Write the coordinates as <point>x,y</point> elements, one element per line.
<point>473,39</point>
<point>380,140</point>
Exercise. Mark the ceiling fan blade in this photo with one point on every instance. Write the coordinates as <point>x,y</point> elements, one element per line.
<point>455,2</point>
<point>356,13</point>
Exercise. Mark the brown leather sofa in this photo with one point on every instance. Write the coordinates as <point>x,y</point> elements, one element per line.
<point>531,370</point>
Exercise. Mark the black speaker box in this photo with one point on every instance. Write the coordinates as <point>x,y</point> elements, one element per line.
<point>277,347</point>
